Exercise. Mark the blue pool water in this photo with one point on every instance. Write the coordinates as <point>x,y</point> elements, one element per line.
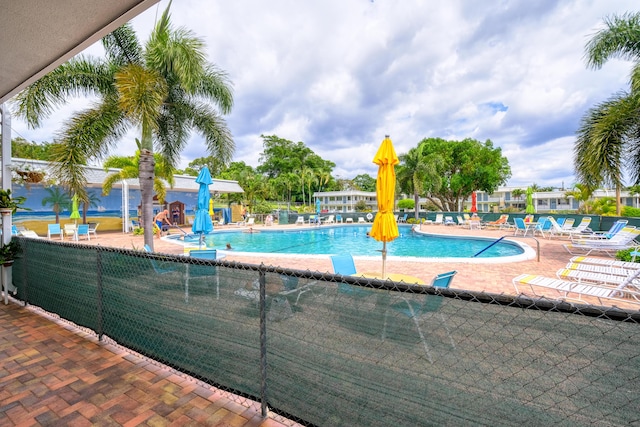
<point>354,240</point>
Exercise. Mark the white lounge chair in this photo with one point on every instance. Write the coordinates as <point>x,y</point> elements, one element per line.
<point>300,220</point>
<point>556,229</point>
<point>29,233</point>
<point>582,228</point>
<point>329,219</point>
<point>623,239</point>
<point>606,262</point>
<point>361,220</point>
<point>621,293</point>
<point>439,219</point>
<point>596,268</point>
<point>248,223</point>
<point>582,276</point>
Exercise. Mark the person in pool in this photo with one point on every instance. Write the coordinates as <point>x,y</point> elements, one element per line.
<point>229,246</point>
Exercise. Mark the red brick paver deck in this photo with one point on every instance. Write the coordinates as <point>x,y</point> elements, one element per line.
<point>53,374</point>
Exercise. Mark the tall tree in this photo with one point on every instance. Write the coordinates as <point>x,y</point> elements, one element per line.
<point>281,156</point>
<point>518,193</point>
<point>364,182</point>
<point>413,172</point>
<point>166,89</point>
<point>458,168</point>
<point>608,139</point>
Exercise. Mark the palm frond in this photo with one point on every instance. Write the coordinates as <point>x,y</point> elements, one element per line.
<point>619,39</point>
<point>216,87</point>
<point>122,46</point>
<point>217,135</point>
<point>79,76</point>
<point>141,93</point>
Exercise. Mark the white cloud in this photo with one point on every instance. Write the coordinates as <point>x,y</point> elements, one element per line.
<point>340,75</point>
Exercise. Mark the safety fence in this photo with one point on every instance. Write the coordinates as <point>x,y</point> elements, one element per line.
<point>332,350</point>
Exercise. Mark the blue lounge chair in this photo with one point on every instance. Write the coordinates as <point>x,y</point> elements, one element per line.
<point>615,228</point>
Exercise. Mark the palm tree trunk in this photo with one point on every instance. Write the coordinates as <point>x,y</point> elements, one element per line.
<point>146,174</point>
<point>416,198</point>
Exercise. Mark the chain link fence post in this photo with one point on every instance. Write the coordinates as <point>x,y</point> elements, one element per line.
<point>263,340</point>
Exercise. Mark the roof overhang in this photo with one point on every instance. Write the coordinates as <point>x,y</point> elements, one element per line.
<point>36,36</point>
<point>96,176</point>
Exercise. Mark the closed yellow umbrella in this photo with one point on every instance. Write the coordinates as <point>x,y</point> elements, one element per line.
<point>211,207</point>
<point>385,228</point>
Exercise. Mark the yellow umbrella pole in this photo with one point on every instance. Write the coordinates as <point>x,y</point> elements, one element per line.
<point>384,260</point>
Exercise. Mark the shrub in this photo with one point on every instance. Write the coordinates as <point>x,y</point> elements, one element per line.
<point>630,211</point>
<point>625,255</point>
<point>406,204</point>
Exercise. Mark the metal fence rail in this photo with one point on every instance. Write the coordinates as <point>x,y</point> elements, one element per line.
<point>331,350</point>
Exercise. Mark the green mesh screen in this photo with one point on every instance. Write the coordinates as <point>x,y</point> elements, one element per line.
<point>340,354</point>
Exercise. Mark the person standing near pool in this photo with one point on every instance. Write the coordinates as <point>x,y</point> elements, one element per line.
<point>161,218</point>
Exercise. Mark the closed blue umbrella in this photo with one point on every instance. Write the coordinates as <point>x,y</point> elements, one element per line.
<point>202,222</point>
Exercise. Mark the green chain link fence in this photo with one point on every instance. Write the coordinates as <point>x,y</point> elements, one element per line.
<point>329,350</point>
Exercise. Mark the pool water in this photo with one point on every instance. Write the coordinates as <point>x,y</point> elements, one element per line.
<point>353,240</point>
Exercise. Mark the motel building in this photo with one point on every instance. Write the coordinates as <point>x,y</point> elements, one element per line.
<point>544,201</point>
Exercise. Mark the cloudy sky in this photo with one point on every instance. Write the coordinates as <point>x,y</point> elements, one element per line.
<point>339,75</point>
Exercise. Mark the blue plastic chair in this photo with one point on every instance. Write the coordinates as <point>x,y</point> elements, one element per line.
<point>53,229</point>
<point>343,264</point>
<point>14,230</point>
<point>415,310</point>
<point>83,230</point>
<point>543,225</point>
<point>521,227</point>
<point>161,267</point>
<point>203,270</point>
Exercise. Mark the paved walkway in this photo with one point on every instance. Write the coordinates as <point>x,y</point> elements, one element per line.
<point>54,374</point>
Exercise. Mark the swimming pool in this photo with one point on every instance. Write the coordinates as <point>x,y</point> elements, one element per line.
<point>328,240</point>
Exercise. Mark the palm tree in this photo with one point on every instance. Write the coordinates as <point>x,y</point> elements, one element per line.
<point>612,128</point>
<point>166,89</point>
<point>518,193</point>
<point>130,169</point>
<point>582,193</point>
<point>58,200</point>
<point>411,175</point>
